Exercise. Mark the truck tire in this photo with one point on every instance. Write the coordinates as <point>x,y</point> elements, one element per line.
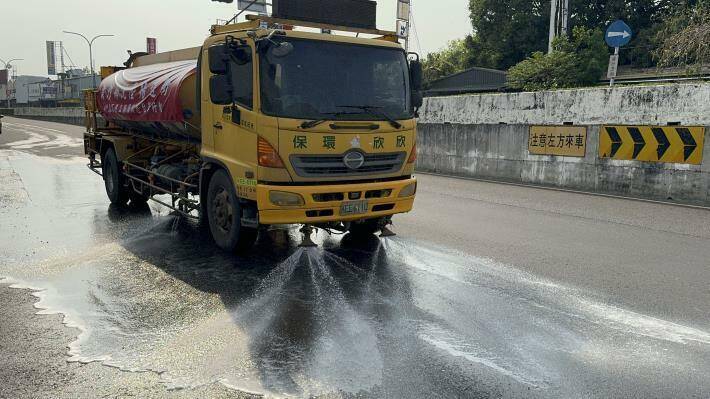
<point>224,213</point>
<point>113,179</point>
<point>367,227</point>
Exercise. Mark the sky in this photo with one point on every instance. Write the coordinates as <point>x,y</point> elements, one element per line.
<point>27,24</point>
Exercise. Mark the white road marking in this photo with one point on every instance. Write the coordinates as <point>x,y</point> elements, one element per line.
<point>43,137</point>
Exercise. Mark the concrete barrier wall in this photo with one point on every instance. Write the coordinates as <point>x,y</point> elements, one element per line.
<point>486,136</point>
<point>73,116</point>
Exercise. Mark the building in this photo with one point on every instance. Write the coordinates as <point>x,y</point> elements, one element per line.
<point>43,93</point>
<point>472,80</point>
<point>20,88</point>
<point>40,91</point>
<point>70,87</point>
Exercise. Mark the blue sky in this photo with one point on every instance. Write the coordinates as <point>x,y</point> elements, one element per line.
<point>27,24</point>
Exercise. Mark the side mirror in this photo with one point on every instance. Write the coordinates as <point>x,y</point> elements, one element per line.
<point>415,83</point>
<point>415,75</point>
<point>417,99</point>
<point>221,90</point>
<point>218,59</point>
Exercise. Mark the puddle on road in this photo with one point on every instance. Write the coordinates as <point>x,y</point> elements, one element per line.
<point>395,318</point>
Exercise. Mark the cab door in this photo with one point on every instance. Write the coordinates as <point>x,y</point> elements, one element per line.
<point>233,131</point>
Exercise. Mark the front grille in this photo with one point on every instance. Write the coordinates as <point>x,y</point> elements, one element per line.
<point>333,165</point>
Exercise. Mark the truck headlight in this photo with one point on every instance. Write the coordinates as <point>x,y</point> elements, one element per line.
<point>408,191</point>
<point>283,198</point>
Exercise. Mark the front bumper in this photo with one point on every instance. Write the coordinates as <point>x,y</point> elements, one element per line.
<point>316,210</point>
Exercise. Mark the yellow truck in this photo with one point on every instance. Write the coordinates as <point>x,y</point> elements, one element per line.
<point>267,123</point>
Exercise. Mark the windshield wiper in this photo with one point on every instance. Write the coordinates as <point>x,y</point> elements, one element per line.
<point>316,122</point>
<point>376,111</point>
<point>311,124</point>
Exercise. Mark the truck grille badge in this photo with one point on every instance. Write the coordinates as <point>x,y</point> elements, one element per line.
<point>354,160</point>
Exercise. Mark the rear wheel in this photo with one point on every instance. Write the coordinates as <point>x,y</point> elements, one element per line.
<point>113,179</point>
<point>224,214</point>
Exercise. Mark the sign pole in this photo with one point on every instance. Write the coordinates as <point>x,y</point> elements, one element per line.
<point>615,61</point>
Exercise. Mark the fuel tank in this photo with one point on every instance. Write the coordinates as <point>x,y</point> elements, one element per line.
<point>156,100</point>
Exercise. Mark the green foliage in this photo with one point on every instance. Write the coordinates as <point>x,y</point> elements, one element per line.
<point>543,71</point>
<point>575,62</point>
<point>454,58</point>
<point>685,38</point>
<point>505,32</point>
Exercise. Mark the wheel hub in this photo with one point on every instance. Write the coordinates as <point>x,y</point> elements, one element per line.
<point>223,210</point>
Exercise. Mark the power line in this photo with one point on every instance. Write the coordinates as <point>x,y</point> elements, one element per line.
<point>414,27</point>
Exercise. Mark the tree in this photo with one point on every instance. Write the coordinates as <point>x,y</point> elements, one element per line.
<point>455,57</point>
<point>644,16</point>
<point>574,62</point>
<point>685,38</point>
<point>508,31</point>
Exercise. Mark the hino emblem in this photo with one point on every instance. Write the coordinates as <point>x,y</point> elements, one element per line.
<point>354,160</point>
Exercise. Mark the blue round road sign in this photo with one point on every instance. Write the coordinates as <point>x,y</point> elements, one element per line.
<point>618,34</point>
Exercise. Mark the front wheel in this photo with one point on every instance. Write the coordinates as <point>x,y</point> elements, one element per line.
<point>224,214</point>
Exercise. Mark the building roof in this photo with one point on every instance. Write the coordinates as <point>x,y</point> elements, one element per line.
<point>468,81</point>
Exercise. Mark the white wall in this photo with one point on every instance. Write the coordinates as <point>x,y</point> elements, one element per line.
<point>688,104</point>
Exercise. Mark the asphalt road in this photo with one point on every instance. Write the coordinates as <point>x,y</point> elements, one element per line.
<point>489,290</point>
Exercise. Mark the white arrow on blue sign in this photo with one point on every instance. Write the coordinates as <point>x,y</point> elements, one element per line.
<point>618,34</point>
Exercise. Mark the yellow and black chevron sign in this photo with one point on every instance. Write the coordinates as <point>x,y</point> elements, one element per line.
<point>672,144</point>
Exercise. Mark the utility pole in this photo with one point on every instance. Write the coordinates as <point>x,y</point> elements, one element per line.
<point>8,66</point>
<point>553,24</point>
<point>91,54</point>
<point>559,21</point>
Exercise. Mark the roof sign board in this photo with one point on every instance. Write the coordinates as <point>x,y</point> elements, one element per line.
<point>618,34</point>
<point>351,13</point>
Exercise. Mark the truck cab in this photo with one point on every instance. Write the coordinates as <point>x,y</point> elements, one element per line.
<point>314,128</point>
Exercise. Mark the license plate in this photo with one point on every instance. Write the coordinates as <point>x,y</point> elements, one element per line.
<point>354,208</point>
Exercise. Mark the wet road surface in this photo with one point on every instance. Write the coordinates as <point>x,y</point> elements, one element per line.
<point>488,291</point>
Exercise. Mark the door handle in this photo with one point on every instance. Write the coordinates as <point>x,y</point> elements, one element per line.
<point>217,126</point>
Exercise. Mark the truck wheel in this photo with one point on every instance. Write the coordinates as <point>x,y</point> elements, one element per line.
<point>225,214</point>
<point>113,180</point>
<point>367,227</point>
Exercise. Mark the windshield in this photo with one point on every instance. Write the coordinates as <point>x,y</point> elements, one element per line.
<point>315,79</point>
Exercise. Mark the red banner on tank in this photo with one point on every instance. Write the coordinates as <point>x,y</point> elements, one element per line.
<point>145,93</point>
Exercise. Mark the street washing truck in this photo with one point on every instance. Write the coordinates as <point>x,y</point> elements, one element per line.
<point>266,124</point>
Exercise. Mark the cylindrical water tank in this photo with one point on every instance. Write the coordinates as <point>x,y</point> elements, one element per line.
<point>157,100</point>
